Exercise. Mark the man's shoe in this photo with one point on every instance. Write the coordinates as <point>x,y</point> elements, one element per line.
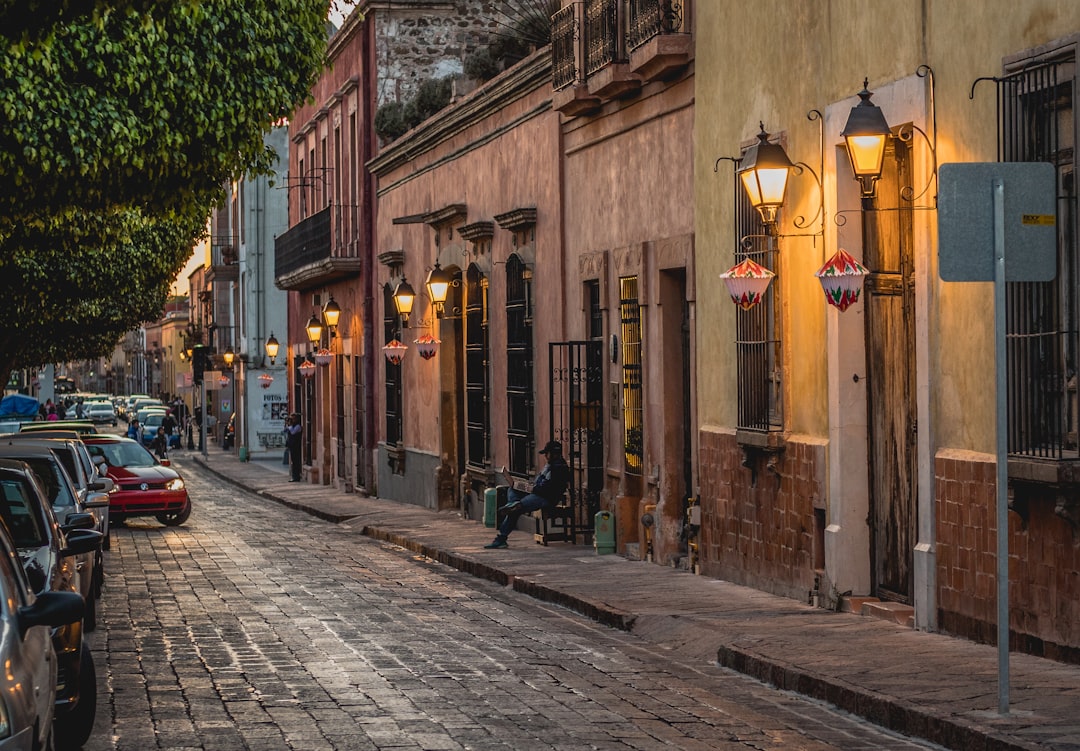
<point>512,507</point>
<point>496,544</point>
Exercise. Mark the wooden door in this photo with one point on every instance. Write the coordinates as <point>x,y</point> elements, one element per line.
<point>890,356</point>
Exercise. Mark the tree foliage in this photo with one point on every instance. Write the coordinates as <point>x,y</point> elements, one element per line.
<point>120,125</point>
<point>153,109</point>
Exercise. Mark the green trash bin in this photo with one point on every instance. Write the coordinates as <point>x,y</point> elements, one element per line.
<point>242,453</point>
<point>491,496</point>
<point>604,533</point>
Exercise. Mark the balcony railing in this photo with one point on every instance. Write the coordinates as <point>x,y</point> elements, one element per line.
<point>307,242</point>
<point>602,34</point>
<point>563,47</point>
<point>224,250</point>
<point>650,18</point>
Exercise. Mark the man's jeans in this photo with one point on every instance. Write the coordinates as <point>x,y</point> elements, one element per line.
<point>523,503</point>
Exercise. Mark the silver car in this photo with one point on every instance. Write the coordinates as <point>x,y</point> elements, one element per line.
<point>100,413</point>
<point>28,681</point>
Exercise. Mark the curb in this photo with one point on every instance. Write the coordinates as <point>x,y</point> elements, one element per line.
<point>880,709</point>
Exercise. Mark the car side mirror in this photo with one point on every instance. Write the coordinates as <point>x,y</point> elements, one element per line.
<point>96,500</point>
<point>80,520</point>
<point>82,541</point>
<point>53,609</point>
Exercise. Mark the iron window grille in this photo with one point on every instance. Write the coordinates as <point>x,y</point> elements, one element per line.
<point>757,343</point>
<point>604,41</point>
<point>630,320</point>
<point>1037,124</point>
<point>359,421</point>
<point>394,396</point>
<point>477,420</point>
<point>519,367</point>
<point>596,314</point>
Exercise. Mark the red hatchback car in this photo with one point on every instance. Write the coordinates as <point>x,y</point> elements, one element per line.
<point>144,486</point>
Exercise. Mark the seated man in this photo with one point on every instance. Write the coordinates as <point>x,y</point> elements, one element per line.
<point>548,487</point>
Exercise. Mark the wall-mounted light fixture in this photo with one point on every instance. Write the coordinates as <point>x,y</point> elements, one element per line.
<point>314,330</point>
<point>272,347</point>
<point>867,135</point>
<point>764,170</point>
<point>229,357</point>
<point>404,297</point>
<point>438,286</point>
<point>331,314</point>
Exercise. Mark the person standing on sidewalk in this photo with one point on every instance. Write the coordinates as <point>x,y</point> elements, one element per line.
<point>547,489</point>
<point>293,429</point>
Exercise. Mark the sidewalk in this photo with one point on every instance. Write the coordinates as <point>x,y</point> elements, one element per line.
<point>924,685</point>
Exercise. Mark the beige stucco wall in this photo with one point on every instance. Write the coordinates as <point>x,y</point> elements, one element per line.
<point>793,57</point>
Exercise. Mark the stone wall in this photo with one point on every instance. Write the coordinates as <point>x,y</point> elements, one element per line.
<point>423,39</point>
<point>1044,562</point>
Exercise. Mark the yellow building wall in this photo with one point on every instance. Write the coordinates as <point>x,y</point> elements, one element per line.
<point>773,61</point>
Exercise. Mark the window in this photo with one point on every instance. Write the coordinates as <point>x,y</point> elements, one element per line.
<point>757,342</point>
<point>392,331</point>
<point>596,315</point>
<point>477,425</point>
<point>630,320</point>
<point>519,365</point>
<point>1038,124</point>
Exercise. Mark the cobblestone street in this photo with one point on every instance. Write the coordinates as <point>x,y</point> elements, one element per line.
<point>259,627</point>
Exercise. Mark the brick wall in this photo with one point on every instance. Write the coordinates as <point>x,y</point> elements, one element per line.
<point>1044,562</point>
<point>760,534</point>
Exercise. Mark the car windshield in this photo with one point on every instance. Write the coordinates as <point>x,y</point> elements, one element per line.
<point>122,454</point>
<point>25,526</point>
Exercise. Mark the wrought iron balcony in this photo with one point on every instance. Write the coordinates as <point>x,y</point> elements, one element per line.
<point>305,257</point>
<point>650,18</point>
<point>563,48</point>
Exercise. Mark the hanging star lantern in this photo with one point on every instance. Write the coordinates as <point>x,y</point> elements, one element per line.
<point>746,283</point>
<point>841,278</point>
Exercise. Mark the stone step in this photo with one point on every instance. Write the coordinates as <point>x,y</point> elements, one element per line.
<point>890,611</point>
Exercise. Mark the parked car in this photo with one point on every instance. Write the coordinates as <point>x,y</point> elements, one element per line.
<point>70,510</point>
<point>82,427</point>
<point>101,413</point>
<point>47,554</point>
<point>144,485</point>
<point>153,420</point>
<point>28,680</point>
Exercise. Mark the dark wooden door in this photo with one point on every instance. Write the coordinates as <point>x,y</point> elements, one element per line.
<point>890,356</point>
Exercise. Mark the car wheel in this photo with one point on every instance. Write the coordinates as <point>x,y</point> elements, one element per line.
<point>176,519</point>
<point>72,728</point>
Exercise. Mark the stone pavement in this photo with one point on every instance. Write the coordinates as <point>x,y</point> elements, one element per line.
<point>924,685</point>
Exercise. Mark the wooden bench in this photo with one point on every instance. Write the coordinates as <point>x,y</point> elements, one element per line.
<point>554,523</point>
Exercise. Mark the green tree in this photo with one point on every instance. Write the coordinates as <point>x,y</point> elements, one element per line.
<point>118,128</point>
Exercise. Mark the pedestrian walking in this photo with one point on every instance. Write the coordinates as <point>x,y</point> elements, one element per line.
<point>293,428</point>
<point>547,489</point>
<point>133,429</point>
<point>160,444</point>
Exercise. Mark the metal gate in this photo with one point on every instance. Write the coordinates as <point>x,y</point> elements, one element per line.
<point>577,420</point>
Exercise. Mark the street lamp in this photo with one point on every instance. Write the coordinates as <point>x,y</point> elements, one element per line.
<point>272,347</point>
<point>404,296</point>
<point>764,170</point>
<point>331,314</point>
<point>438,285</point>
<point>866,133</point>
<point>314,330</point>
<point>228,356</point>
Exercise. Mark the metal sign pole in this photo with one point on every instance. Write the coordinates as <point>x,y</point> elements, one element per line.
<point>203,421</point>
<point>1001,398</point>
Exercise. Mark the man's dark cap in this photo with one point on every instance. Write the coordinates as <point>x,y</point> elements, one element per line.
<point>552,447</point>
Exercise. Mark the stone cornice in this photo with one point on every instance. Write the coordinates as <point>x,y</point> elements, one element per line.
<point>516,219</point>
<point>392,258</point>
<point>476,231</point>
<point>445,215</point>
